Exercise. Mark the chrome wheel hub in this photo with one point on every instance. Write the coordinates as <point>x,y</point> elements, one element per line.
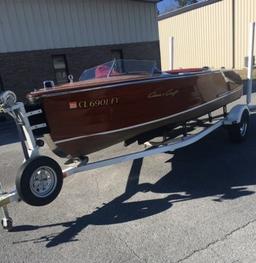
<point>43,181</point>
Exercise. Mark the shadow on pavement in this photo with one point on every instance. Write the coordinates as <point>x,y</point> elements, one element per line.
<point>8,132</point>
<point>213,167</point>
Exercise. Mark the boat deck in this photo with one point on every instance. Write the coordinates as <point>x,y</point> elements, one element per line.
<point>92,83</point>
<point>86,84</point>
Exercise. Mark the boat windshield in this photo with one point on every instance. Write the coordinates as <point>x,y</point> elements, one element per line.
<point>119,67</point>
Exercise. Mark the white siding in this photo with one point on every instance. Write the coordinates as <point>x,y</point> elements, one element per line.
<point>47,24</point>
<point>245,13</point>
<point>202,37</point>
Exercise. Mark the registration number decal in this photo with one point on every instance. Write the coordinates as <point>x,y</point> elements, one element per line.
<point>86,104</point>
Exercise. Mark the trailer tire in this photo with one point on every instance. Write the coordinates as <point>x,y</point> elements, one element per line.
<point>39,181</point>
<point>239,131</point>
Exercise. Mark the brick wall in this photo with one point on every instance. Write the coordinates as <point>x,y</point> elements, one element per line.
<point>25,71</point>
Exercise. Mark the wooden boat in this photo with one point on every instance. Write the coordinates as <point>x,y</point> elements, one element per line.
<point>127,100</point>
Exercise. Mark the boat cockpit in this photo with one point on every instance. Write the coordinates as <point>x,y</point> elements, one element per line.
<point>121,67</point>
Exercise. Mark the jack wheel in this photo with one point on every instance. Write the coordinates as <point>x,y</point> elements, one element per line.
<point>39,181</point>
<point>239,131</point>
<point>7,223</point>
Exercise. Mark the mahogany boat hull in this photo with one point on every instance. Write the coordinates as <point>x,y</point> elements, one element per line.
<point>83,120</point>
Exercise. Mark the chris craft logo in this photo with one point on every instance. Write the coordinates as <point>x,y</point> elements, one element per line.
<point>157,94</point>
<point>85,104</point>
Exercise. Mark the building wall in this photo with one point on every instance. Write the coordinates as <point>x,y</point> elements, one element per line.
<point>202,37</point>
<point>214,35</point>
<point>85,31</point>
<point>48,24</point>
<point>25,71</point>
<point>245,13</point>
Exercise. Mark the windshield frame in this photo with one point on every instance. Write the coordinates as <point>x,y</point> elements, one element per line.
<point>118,67</point>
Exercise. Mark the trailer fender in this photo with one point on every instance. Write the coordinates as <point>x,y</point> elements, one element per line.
<point>235,114</point>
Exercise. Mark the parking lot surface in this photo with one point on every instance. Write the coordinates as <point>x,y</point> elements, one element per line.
<point>197,205</point>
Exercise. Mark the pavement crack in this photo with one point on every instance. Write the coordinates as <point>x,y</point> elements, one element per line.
<point>216,241</point>
<point>132,250</point>
<point>97,186</point>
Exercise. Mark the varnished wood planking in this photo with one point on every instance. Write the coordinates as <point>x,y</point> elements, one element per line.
<point>120,109</point>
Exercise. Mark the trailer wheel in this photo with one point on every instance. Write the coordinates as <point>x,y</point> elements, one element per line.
<point>39,181</point>
<point>239,131</point>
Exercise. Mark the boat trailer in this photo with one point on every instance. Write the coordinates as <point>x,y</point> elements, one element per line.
<point>236,122</point>
<point>40,180</point>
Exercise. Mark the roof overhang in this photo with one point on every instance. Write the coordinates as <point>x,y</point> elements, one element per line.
<point>186,9</point>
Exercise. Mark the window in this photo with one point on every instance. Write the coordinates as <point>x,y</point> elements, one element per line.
<point>117,53</point>
<point>60,68</point>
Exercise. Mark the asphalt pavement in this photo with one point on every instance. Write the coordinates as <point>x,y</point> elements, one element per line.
<point>197,205</point>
